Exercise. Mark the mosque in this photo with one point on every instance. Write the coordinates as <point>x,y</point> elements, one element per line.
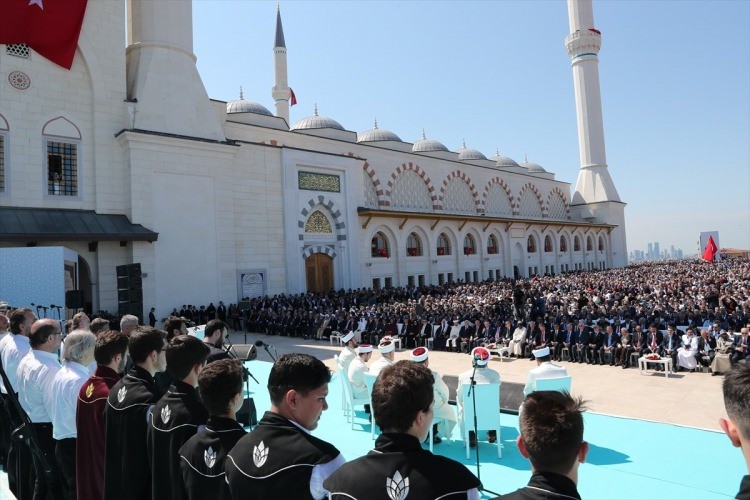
<point>125,159</point>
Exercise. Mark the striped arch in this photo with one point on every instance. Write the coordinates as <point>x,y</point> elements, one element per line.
<point>376,182</point>
<point>311,249</point>
<point>421,173</point>
<point>467,180</point>
<point>333,210</point>
<point>539,198</point>
<point>564,198</point>
<point>500,182</point>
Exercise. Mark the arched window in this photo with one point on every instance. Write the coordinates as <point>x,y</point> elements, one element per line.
<point>413,245</point>
<point>62,138</point>
<point>380,245</point>
<point>444,245</point>
<point>318,223</point>
<point>563,244</point>
<point>601,244</point>
<point>470,246</point>
<point>531,244</point>
<point>576,244</point>
<point>547,244</point>
<point>492,246</point>
<point>589,244</point>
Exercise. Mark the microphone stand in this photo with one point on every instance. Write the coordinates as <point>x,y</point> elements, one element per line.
<point>473,395</point>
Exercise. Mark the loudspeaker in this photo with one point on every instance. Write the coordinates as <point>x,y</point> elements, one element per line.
<point>74,299</point>
<point>247,414</point>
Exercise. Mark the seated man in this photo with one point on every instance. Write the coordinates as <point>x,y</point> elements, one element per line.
<point>552,439</point>
<point>348,352</point>
<point>402,401</point>
<point>706,348</point>
<point>202,456</point>
<point>622,348</point>
<point>442,410</point>
<point>482,375</point>
<point>595,343</point>
<point>544,369</point>
<point>517,341</point>
<point>357,369</point>
<point>736,390</point>
<point>672,342</point>
<point>452,344</point>
<point>686,354</point>
<point>387,350</point>
<point>280,458</point>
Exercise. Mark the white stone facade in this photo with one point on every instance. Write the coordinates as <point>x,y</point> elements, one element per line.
<point>223,190</point>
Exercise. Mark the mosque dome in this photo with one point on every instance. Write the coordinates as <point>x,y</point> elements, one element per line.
<point>533,168</point>
<point>377,134</point>
<point>425,145</point>
<point>316,121</point>
<point>242,105</point>
<point>470,154</point>
<point>503,161</point>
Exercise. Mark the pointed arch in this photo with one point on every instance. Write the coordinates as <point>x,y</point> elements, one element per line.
<point>527,204</point>
<point>495,206</point>
<point>457,174</point>
<point>404,167</point>
<point>333,211</point>
<point>4,124</point>
<point>61,127</point>
<point>375,183</point>
<point>557,205</point>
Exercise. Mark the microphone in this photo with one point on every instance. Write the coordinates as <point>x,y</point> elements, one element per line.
<point>260,343</point>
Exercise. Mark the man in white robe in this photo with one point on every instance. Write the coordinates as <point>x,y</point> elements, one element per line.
<point>444,414</point>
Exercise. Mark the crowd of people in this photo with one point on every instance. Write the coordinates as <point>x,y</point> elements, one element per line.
<point>600,317</point>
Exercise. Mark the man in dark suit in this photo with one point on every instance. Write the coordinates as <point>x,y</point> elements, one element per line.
<point>582,335</point>
<point>741,345</point>
<point>566,339</point>
<point>609,345</point>
<point>596,339</point>
<point>466,334</point>
<point>654,341</point>
<point>425,331</point>
<point>672,342</point>
<point>638,341</point>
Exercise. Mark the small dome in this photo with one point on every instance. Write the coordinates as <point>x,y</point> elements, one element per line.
<point>316,121</point>
<point>533,168</point>
<point>378,134</point>
<point>503,161</point>
<point>470,154</point>
<point>244,106</point>
<point>426,145</point>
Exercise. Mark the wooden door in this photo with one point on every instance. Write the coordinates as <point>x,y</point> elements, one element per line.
<point>319,271</point>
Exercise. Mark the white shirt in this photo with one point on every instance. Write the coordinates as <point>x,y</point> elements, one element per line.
<point>356,372</point>
<point>346,357</point>
<point>35,374</point>
<point>379,366</point>
<point>12,349</point>
<point>64,388</point>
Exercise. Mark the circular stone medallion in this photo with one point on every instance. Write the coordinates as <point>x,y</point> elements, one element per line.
<point>19,80</point>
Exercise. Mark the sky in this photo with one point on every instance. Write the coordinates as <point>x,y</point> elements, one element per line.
<point>675,85</point>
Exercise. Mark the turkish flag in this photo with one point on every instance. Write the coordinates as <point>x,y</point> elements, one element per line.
<point>710,251</point>
<point>51,27</point>
<point>294,98</point>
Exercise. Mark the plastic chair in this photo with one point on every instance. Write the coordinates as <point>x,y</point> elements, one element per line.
<point>340,371</point>
<point>559,384</point>
<point>337,336</point>
<point>351,401</point>
<point>370,381</point>
<point>488,413</point>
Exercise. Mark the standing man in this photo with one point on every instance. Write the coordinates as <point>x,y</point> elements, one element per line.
<point>152,317</point>
<point>214,336</point>
<point>552,440</point>
<point>482,375</point>
<point>280,456</point>
<point>35,374</point>
<point>221,312</point>
<point>357,369</point>
<point>127,475</point>
<point>77,356</point>
<point>203,456</point>
<point>544,369</point>
<point>441,409</point>
<point>387,350</point>
<point>110,354</point>
<point>736,390</point>
<point>177,416</point>
<point>348,353</point>
<point>398,466</point>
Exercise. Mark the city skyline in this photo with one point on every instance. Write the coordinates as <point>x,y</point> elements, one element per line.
<point>496,75</point>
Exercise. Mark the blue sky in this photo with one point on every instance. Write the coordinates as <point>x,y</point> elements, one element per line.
<point>675,79</point>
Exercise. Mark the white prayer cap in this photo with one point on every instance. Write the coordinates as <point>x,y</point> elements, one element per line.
<point>540,353</point>
<point>481,356</point>
<point>364,348</point>
<point>346,338</point>
<point>386,345</point>
<point>419,354</point>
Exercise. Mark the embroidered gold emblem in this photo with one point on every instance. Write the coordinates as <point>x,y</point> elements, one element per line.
<point>90,390</point>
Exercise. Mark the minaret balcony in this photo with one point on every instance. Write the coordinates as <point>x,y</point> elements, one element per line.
<point>583,42</point>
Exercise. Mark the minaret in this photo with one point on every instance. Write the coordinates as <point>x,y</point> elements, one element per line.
<point>595,195</point>
<point>281,92</point>
<point>163,84</point>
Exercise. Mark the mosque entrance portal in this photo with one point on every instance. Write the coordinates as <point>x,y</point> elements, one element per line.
<point>319,271</point>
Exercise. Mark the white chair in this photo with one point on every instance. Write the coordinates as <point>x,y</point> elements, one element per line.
<point>559,384</point>
<point>336,335</point>
<point>488,413</point>
<point>340,371</point>
<point>370,381</point>
<point>351,401</point>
